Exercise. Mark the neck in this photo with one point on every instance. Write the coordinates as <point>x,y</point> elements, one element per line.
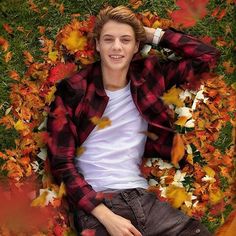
<point>114,80</point>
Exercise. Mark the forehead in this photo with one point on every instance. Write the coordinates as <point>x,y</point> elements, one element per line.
<point>116,29</point>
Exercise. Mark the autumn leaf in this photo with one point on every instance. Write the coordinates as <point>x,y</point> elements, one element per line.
<point>177,150</point>
<point>80,150</point>
<point>101,123</point>
<point>33,6</point>
<point>229,68</point>
<point>171,97</point>
<point>14,75</point>
<point>177,195</point>
<point>28,57</point>
<point>181,120</point>
<point>8,28</point>
<point>135,3</point>
<point>215,196</point>
<point>20,125</point>
<point>53,55</point>
<point>190,12</point>
<point>49,97</point>
<point>4,43</point>
<point>40,200</point>
<point>150,135</point>
<point>61,71</point>
<point>8,57</point>
<point>62,190</point>
<point>41,29</point>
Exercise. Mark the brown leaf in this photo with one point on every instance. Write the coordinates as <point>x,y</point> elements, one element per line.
<point>150,135</point>
<point>4,43</point>
<point>28,57</point>
<point>8,57</point>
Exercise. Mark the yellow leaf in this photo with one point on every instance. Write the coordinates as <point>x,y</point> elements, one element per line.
<point>177,195</point>
<point>62,190</point>
<point>178,150</point>
<point>156,24</point>
<point>209,171</point>
<point>80,151</point>
<point>181,120</point>
<point>101,123</point>
<point>53,55</point>
<point>40,200</point>
<point>172,97</point>
<point>215,196</point>
<point>20,125</point>
<point>190,159</point>
<point>75,41</point>
<point>50,95</point>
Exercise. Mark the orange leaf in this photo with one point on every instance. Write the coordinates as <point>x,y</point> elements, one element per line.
<point>61,8</point>
<point>4,43</point>
<point>14,75</point>
<point>29,58</point>
<point>33,6</point>
<point>102,122</point>
<point>135,3</point>
<point>8,57</point>
<point>178,150</point>
<point>8,28</point>
<point>229,69</point>
<point>41,29</point>
<point>190,11</point>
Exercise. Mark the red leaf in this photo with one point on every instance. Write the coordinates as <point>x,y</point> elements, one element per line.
<point>61,71</point>
<point>191,11</point>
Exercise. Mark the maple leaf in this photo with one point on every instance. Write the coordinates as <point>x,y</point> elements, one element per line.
<point>33,6</point>
<point>4,43</point>
<point>75,41</point>
<point>61,71</point>
<point>172,97</point>
<point>229,69</point>
<point>191,11</point>
<point>101,122</point>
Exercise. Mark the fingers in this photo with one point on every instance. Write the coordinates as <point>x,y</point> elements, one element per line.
<point>134,231</point>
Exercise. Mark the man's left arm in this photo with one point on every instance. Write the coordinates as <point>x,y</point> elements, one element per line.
<point>196,56</point>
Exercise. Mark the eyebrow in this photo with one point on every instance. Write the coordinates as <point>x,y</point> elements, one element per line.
<point>110,35</point>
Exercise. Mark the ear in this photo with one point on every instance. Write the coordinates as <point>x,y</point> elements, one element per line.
<point>97,45</point>
<point>136,46</point>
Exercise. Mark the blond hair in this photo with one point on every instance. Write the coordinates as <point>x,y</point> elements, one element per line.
<point>120,14</point>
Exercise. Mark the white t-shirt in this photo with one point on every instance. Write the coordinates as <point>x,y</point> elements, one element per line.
<point>112,157</point>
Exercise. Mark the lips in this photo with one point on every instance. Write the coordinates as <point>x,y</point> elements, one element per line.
<point>116,56</point>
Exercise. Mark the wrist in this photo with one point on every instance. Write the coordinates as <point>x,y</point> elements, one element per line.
<point>102,213</point>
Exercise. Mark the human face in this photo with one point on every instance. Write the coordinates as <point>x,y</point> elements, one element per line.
<point>116,45</point>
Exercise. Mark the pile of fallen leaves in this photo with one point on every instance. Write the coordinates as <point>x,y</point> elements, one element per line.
<point>199,182</point>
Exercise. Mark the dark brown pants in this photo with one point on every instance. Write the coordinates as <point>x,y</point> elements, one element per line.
<point>150,216</point>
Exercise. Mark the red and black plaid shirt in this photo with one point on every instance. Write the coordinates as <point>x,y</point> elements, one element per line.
<point>82,96</point>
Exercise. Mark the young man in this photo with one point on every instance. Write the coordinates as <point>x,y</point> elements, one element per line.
<point>126,88</point>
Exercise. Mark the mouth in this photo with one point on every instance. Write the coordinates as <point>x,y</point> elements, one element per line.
<point>116,57</point>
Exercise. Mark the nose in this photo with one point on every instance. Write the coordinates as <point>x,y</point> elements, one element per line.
<point>117,44</point>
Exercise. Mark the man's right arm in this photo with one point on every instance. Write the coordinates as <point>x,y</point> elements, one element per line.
<point>62,151</point>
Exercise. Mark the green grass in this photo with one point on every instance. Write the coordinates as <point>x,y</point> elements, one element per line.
<point>18,14</point>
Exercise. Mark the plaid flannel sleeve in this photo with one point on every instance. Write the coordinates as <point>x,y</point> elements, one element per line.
<point>62,151</point>
<point>196,58</point>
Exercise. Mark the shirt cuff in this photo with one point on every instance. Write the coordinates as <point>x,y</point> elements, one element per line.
<point>157,36</point>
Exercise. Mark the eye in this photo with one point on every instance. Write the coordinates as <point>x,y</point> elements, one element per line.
<point>108,39</point>
<point>125,40</point>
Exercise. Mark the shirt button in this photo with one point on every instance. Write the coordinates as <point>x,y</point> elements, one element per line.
<point>198,231</point>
